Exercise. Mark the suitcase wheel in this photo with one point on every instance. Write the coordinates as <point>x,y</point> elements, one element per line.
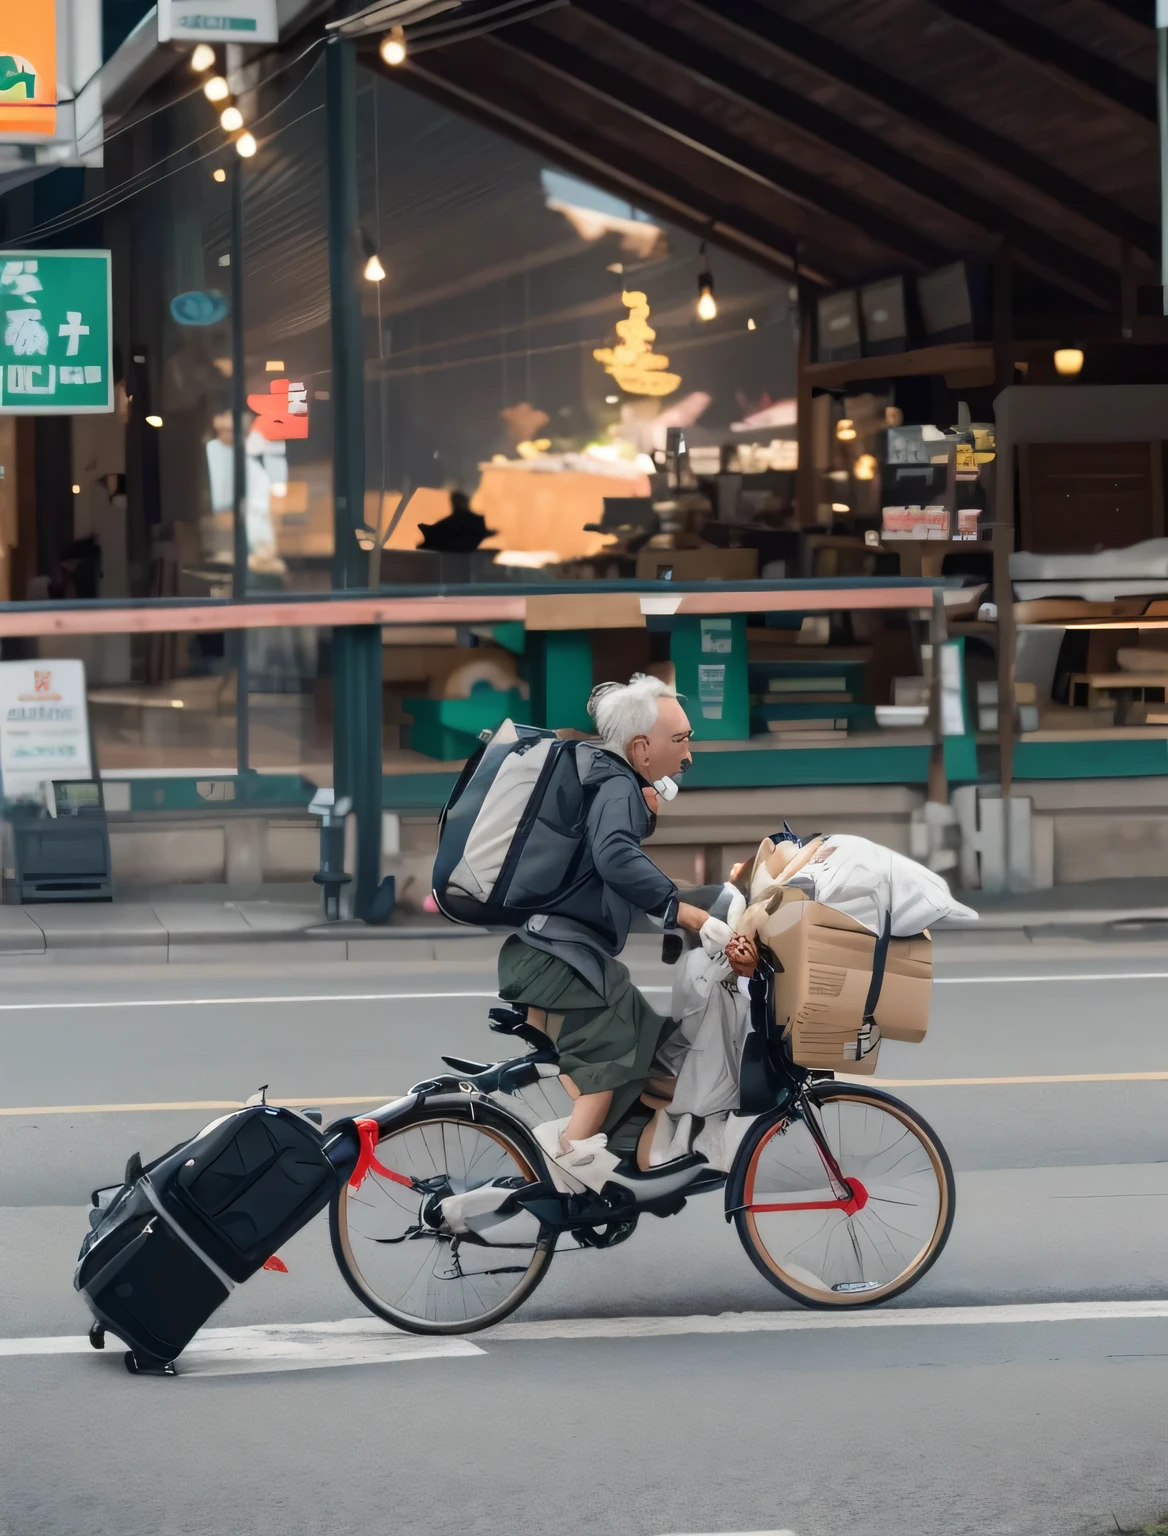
<point>148,1367</point>
<point>97,1336</point>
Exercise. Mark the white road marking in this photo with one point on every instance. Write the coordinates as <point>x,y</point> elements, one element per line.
<point>278,999</point>
<point>275,1347</point>
<point>811,1322</point>
<point>1063,976</point>
<point>368,1341</point>
<point>749,1533</point>
<point>225,1002</point>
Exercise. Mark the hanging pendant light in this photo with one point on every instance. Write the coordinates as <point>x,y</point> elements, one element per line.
<point>393,47</point>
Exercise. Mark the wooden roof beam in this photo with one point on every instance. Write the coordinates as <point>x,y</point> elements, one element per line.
<point>1143,11</point>
<point>787,39</point>
<point>668,197</point>
<point>630,97</point>
<point>746,88</point>
<point>1056,55</point>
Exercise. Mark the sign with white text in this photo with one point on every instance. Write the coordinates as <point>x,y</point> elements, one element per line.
<point>56,333</point>
<point>28,67</point>
<point>218,21</point>
<point>44,725</point>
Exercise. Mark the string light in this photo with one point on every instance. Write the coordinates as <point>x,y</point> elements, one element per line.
<point>231,119</point>
<point>374,271</point>
<point>246,145</point>
<point>154,421</point>
<point>393,47</point>
<point>865,467</point>
<point>216,89</point>
<point>1068,361</point>
<point>219,174</point>
<point>845,430</point>
<point>707,304</point>
<point>750,326</point>
<point>202,58</point>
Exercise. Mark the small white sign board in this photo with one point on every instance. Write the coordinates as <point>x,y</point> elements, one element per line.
<point>44,725</point>
<point>218,21</point>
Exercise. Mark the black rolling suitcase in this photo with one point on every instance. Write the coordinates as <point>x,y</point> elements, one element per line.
<point>167,1247</point>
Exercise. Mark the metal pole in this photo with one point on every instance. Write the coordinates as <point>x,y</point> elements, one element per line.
<point>348,381</point>
<point>239,460</point>
<point>1162,99</point>
<point>357,686</point>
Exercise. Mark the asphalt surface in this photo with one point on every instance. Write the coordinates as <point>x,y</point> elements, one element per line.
<point>1032,1425</point>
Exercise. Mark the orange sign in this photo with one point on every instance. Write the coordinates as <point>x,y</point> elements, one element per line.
<point>28,67</point>
<point>281,415</point>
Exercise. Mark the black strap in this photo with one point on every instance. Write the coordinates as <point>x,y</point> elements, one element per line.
<point>879,961</point>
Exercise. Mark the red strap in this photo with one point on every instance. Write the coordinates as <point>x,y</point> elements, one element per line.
<point>277,1264</point>
<point>370,1134</point>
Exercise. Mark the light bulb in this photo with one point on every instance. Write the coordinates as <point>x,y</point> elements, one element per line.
<point>865,467</point>
<point>374,271</point>
<point>154,421</point>
<point>202,58</point>
<point>707,305</point>
<point>245,145</point>
<point>1068,361</point>
<point>77,490</point>
<point>219,174</point>
<point>845,430</point>
<point>750,326</point>
<point>393,47</point>
<point>231,119</point>
<point>216,89</point>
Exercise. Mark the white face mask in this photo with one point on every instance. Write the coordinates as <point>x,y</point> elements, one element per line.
<point>666,788</point>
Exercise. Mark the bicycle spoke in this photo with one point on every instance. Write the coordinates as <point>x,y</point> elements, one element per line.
<point>879,1151</point>
<point>445,1282</point>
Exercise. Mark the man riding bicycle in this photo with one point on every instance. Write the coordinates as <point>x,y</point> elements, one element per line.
<point>563,964</point>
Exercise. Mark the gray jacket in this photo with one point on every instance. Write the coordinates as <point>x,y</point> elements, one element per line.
<point>617,879</point>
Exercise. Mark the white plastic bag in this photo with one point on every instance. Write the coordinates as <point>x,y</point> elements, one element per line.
<point>866,882</point>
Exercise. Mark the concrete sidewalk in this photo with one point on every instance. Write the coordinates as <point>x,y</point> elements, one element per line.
<point>218,925</point>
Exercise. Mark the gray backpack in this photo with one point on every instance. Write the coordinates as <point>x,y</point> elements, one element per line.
<point>511,838</point>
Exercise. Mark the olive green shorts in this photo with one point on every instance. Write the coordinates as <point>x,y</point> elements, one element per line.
<point>606,1043</point>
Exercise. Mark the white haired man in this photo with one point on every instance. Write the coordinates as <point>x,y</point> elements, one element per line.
<point>563,964</point>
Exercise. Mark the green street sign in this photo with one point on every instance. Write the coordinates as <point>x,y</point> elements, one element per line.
<point>56,333</point>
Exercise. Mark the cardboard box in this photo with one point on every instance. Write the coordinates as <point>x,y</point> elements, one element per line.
<point>820,993</point>
<point>705,564</point>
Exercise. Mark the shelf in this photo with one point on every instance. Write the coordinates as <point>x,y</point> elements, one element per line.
<point>957,357</point>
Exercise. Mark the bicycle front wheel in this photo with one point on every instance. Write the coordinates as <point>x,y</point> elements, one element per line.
<point>825,1251</point>
<point>422,1278</point>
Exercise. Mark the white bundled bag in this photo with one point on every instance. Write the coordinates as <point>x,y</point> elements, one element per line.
<point>870,883</point>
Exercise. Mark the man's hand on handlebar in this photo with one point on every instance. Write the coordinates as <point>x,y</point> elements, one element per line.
<point>742,953</point>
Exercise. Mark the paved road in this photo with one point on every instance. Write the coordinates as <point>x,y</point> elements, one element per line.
<point>1019,1426</point>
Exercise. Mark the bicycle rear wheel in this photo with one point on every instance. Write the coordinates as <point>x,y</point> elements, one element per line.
<point>425,1279</point>
<point>825,1251</point>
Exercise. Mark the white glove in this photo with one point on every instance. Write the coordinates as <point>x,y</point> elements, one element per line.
<point>715,935</point>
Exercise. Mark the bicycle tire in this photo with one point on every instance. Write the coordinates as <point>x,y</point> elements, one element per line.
<point>746,1223</point>
<point>510,1142</point>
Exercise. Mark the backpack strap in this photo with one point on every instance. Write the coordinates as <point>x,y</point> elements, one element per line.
<point>879,961</point>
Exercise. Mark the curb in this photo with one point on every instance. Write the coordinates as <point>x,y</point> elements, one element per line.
<point>122,938</point>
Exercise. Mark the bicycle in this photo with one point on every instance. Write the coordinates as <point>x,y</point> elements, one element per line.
<point>841,1195</point>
